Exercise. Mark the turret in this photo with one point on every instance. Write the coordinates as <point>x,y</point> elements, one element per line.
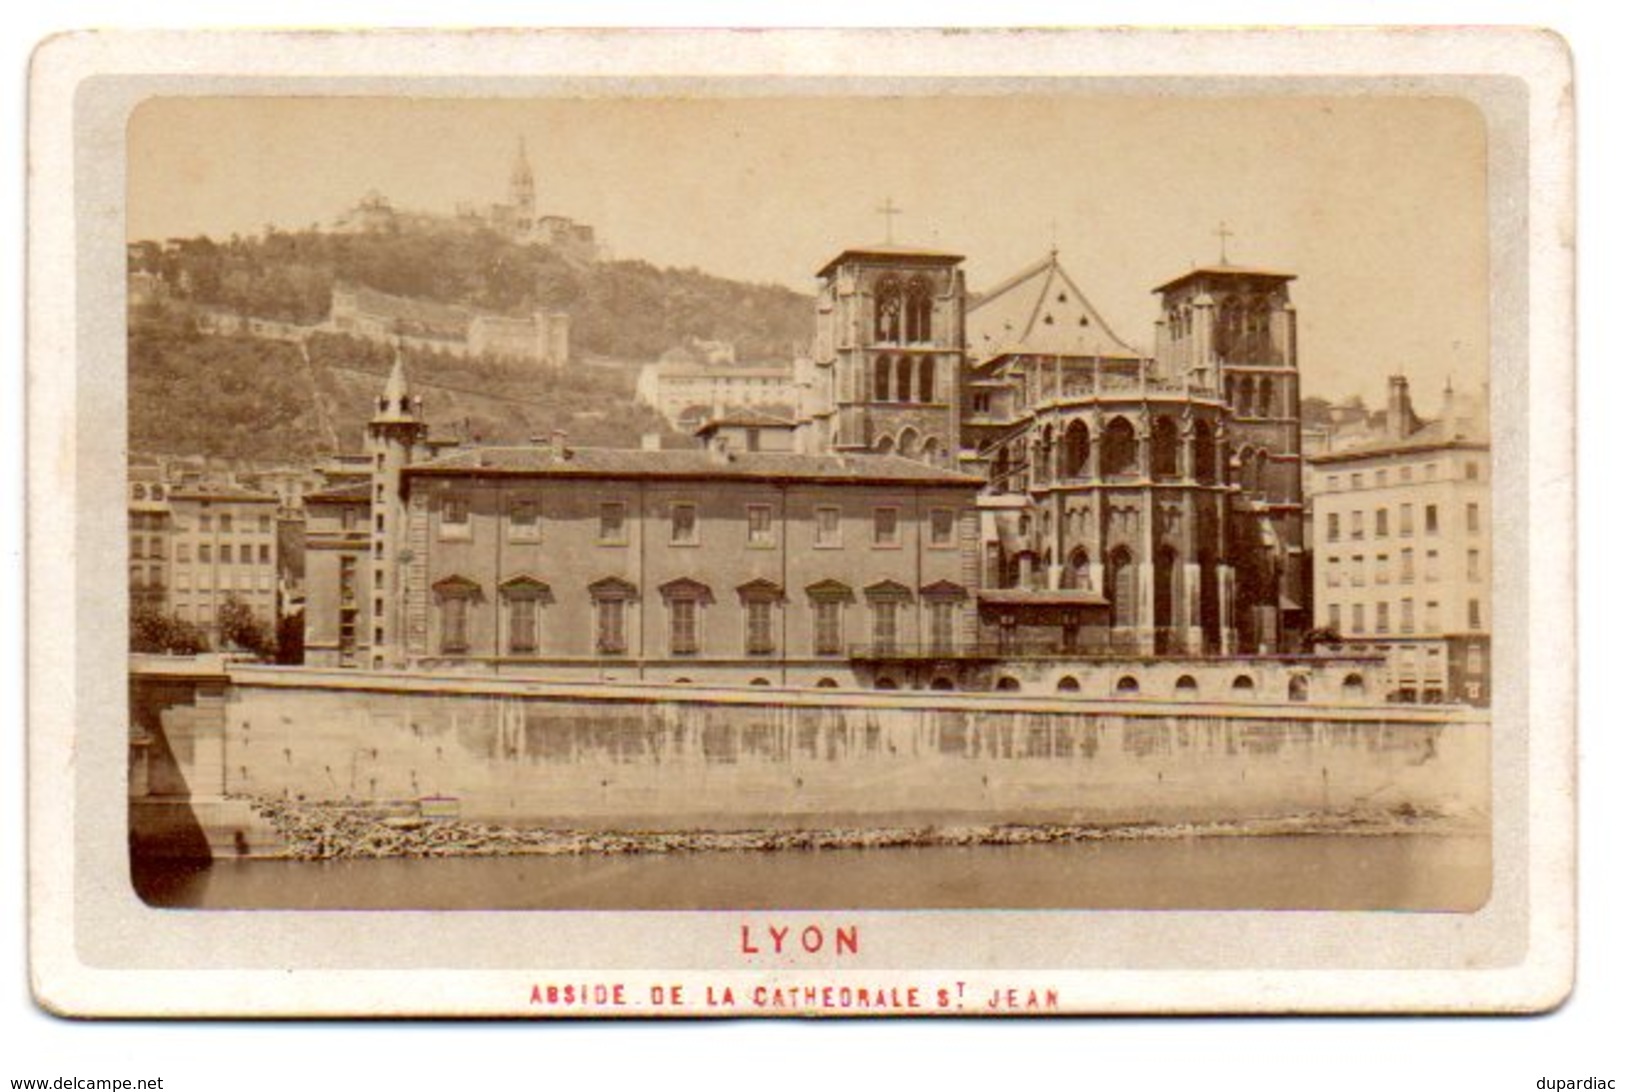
<point>395,435</point>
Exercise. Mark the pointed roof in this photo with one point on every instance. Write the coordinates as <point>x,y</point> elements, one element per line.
<point>520,174</point>
<point>1040,310</point>
<point>395,404</point>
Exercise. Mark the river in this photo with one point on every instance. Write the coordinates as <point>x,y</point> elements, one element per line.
<point>1441,872</point>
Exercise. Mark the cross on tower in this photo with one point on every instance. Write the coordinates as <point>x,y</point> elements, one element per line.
<point>888,210</point>
<point>1224,233</point>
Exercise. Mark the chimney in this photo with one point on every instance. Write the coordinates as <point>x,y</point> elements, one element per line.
<point>1397,423</point>
<point>650,441</point>
<point>556,442</point>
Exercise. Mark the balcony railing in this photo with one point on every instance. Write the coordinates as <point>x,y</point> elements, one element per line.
<point>1163,642</point>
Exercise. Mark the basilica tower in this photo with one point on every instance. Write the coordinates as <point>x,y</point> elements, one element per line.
<point>522,190</point>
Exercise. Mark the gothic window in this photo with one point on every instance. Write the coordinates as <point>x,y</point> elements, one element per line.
<point>927,380</point>
<point>1077,569</point>
<point>905,386</point>
<point>1120,581</point>
<point>1244,397</point>
<point>1075,451</point>
<point>1164,448</point>
<point>917,311</point>
<point>889,311</point>
<point>1227,339</point>
<point>1206,452</point>
<point>883,379</point>
<point>1266,399</point>
<point>1118,454</point>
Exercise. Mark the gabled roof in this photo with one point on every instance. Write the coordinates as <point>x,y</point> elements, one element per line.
<point>1040,310</point>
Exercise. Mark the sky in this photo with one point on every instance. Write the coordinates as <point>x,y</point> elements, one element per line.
<point>1377,204</point>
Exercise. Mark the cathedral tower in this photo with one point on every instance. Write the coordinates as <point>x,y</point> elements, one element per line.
<point>889,353</point>
<point>395,435</point>
<point>1234,328</point>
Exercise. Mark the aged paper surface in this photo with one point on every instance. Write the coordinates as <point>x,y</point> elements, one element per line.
<point>1220,658</point>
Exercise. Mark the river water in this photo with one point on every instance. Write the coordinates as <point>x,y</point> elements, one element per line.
<point>1441,872</point>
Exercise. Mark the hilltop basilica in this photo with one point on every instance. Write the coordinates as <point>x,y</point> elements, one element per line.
<point>975,493</point>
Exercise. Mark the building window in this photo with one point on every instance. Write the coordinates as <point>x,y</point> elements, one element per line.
<point>1382,617</point>
<point>1334,575</point>
<point>1430,616</point>
<point>1430,519</point>
<point>1404,473</point>
<point>685,626</point>
<point>758,525</point>
<point>1407,616</point>
<point>1333,527</point>
<point>887,530</point>
<point>827,627</point>
<point>1333,481</point>
<point>942,526</point>
<point>1472,518</point>
<point>883,620</point>
<point>378,522</point>
<point>347,518</point>
<point>1475,660</point>
<point>1356,481</point>
<point>265,525</point>
<point>265,553</point>
<point>1407,521</point>
<point>685,524</point>
<point>1430,571</point>
<point>204,555</point>
<point>1357,524</point>
<point>225,521</point>
<point>612,523</point>
<point>942,614</point>
<point>205,522</point>
<point>827,527</point>
<point>454,624</point>
<point>183,552</point>
<point>1382,568</point>
<point>759,627</point>
<point>1334,617</point>
<point>524,521</point>
<point>522,625</point>
<point>454,518</point>
<point>612,626</point>
<point>1382,523</point>
<point>1407,566</point>
<point>1357,624</point>
<point>1475,619</point>
<point>1473,570</point>
<point>1357,570</point>
<point>1471,469</point>
<point>1382,479</point>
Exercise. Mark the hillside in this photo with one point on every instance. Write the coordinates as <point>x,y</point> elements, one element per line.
<point>621,309</point>
<point>244,397</point>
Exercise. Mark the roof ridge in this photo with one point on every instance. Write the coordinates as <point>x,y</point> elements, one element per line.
<point>1012,281</point>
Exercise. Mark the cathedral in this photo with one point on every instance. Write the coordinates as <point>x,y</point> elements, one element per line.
<point>1134,503</point>
<point>971,486</point>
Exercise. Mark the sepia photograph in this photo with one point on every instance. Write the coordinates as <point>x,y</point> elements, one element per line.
<point>694,504</point>
<point>817,532</point>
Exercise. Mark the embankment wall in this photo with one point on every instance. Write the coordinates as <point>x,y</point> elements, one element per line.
<point>627,756</point>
